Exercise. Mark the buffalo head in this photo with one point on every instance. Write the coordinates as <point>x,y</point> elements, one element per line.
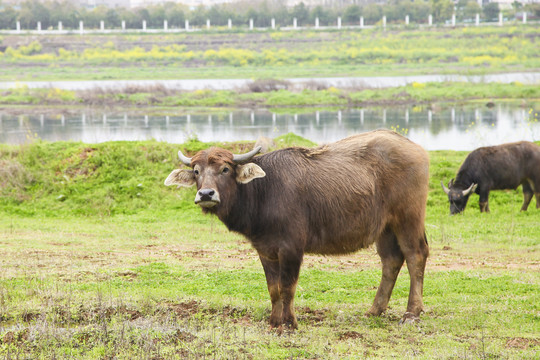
<point>216,172</point>
<point>457,196</point>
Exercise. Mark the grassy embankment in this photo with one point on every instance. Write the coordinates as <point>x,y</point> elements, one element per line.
<point>162,98</point>
<point>100,260</point>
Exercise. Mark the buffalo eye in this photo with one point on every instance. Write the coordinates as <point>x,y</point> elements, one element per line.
<point>225,170</point>
<point>196,172</point>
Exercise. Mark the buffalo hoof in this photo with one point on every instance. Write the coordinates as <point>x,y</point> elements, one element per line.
<point>409,318</point>
<point>291,325</point>
<point>373,312</point>
<point>284,326</point>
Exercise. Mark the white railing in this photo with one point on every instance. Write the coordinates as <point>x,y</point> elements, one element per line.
<point>382,23</point>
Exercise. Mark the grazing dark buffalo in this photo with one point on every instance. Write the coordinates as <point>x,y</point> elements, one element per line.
<point>495,168</point>
<point>332,199</point>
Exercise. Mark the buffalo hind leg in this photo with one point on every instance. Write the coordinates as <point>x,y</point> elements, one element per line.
<point>527,195</point>
<point>392,261</point>
<point>416,250</point>
<point>535,187</point>
<point>271,271</point>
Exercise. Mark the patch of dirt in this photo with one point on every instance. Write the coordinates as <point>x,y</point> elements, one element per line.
<point>522,343</point>
<point>127,275</point>
<point>185,309</point>
<point>68,243</point>
<point>30,316</point>
<point>236,315</point>
<point>312,316</point>
<point>350,335</point>
<point>181,336</point>
<point>80,168</point>
<point>87,315</point>
<point>448,258</point>
<point>16,337</point>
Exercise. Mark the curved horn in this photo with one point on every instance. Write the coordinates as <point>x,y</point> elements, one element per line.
<point>184,159</point>
<point>470,189</point>
<point>446,190</point>
<point>247,156</point>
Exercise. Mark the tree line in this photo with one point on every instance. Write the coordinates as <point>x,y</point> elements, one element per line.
<point>50,13</point>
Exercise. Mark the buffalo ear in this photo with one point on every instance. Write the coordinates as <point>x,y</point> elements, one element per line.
<point>246,173</point>
<point>181,177</point>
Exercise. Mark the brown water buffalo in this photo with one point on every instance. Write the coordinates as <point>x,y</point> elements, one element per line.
<point>332,199</point>
<point>499,167</point>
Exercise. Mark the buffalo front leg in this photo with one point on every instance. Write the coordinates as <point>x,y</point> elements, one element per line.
<point>271,271</point>
<point>392,261</point>
<point>289,271</point>
<point>484,201</point>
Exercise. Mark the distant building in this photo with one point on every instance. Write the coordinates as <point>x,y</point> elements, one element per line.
<point>190,3</point>
<point>288,3</point>
<point>108,3</point>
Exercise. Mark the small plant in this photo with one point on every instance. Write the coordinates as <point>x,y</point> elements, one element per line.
<point>399,130</point>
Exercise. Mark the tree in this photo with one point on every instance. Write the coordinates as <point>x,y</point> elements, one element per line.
<point>534,8</point>
<point>33,11</point>
<point>442,9</point>
<point>93,18</point>
<point>352,14</point>
<point>263,16</point>
<point>65,12</point>
<point>491,11</point>
<point>417,11</point>
<point>174,15</point>
<point>157,15</point>
<point>129,17</point>
<point>216,15</point>
<point>282,16</point>
<point>325,15</point>
<point>467,9</point>
<point>301,13</point>
<point>372,13</point>
<point>198,16</point>
<point>112,19</point>
<point>8,18</point>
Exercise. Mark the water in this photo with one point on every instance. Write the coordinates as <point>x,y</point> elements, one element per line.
<point>232,84</point>
<point>453,128</point>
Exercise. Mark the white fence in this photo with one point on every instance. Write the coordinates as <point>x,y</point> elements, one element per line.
<point>250,26</point>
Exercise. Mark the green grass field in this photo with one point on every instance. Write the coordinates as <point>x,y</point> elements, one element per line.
<point>271,54</point>
<point>100,260</point>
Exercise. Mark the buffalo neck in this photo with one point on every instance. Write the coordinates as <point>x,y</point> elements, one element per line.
<point>464,179</point>
<point>241,214</point>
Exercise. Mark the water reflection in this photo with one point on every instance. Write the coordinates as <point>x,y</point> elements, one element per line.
<point>447,128</point>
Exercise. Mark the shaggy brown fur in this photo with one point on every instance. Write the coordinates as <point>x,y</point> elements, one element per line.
<point>333,199</point>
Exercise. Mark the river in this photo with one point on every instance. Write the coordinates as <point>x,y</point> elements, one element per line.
<point>233,84</point>
<point>451,128</point>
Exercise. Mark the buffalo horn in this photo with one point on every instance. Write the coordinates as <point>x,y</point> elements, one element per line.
<point>184,158</point>
<point>446,190</point>
<point>247,156</point>
<point>468,191</point>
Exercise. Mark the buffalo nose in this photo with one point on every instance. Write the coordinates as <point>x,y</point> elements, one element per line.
<point>206,194</point>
